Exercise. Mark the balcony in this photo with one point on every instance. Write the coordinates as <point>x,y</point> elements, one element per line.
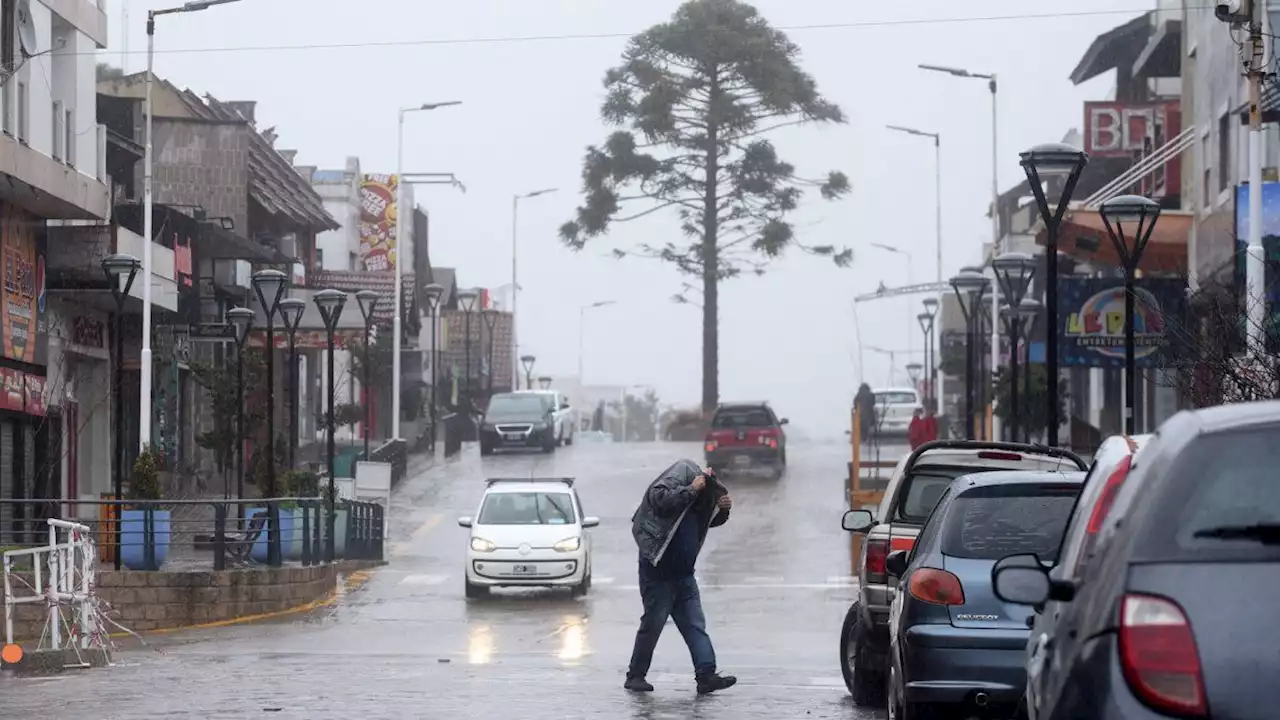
<point>74,260</point>
<point>87,16</point>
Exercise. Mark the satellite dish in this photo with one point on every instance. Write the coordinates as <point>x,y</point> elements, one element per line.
<point>26,28</point>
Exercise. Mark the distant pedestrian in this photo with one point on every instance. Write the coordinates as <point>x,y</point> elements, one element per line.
<point>918,430</point>
<point>597,418</point>
<point>931,422</point>
<point>865,403</point>
<point>670,527</point>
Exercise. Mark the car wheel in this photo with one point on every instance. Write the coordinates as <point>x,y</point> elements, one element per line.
<point>486,449</point>
<point>864,684</point>
<point>895,707</point>
<point>474,591</point>
<point>569,440</point>
<point>784,458</point>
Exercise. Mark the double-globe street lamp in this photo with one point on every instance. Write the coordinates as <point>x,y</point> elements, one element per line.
<point>1047,162</point>
<point>120,270</point>
<point>1129,220</point>
<point>969,286</point>
<point>240,320</point>
<point>527,361</point>
<point>433,293</point>
<point>330,304</point>
<point>270,286</point>
<point>368,300</point>
<point>1013,272</point>
<point>291,310</point>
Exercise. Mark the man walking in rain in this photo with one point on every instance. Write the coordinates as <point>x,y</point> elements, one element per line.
<point>670,527</point>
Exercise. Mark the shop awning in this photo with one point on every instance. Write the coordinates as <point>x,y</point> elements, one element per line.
<point>1084,237</point>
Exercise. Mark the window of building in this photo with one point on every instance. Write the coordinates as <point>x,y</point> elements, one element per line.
<point>352,261</point>
<point>21,120</point>
<point>69,129</point>
<point>1206,172</point>
<point>59,133</point>
<point>319,258</point>
<point>1225,174</point>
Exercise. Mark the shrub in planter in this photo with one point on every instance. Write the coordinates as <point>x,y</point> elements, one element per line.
<point>297,484</point>
<point>143,525</point>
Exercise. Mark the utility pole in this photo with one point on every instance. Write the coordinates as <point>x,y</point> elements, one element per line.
<point>1255,267</point>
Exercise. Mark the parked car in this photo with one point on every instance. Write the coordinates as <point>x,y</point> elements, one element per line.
<point>565,425</point>
<point>528,533</point>
<point>1111,466</point>
<point>914,488</point>
<point>743,436</point>
<point>954,649</point>
<point>894,410</point>
<point>1172,615</point>
<point>517,420</point>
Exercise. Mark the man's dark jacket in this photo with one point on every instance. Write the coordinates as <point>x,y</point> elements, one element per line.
<point>666,503</point>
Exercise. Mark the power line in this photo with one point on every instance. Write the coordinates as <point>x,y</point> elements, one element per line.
<point>528,39</point>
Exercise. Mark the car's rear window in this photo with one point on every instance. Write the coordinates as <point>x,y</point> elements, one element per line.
<point>896,398</point>
<point>527,508</point>
<point>988,523</point>
<point>924,488</point>
<point>1234,490</point>
<point>740,418</point>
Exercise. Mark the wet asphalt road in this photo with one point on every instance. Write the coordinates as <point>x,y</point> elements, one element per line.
<point>406,644</point>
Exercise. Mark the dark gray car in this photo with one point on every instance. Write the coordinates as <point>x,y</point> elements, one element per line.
<point>955,649</point>
<point>1174,615</point>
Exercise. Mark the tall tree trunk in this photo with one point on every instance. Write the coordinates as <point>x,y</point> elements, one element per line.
<point>711,260</point>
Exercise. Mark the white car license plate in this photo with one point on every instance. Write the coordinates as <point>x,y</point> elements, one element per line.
<point>741,460</point>
<point>524,569</point>
<point>512,436</point>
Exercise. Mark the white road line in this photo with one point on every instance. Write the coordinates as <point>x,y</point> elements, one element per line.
<point>764,579</point>
<point>759,586</point>
<point>842,580</point>
<point>424,579</point>
<point>601,580</point>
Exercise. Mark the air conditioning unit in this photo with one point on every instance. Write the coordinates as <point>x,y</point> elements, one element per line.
<point>235,273</point>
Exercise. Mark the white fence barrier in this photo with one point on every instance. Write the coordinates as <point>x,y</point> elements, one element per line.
<point>63,578</point>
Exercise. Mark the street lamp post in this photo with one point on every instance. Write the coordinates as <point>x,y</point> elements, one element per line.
<point>968,287</point>
<point>913,372</point>
<point>1041,163</point>
<point>544,382</point>
<point>368,301</point>
<point>291,310</point>
<point>905,256</point>
<point>144,357</point>
<point>937,169</point>
<point>467,302</point>
<point>926,320</point>
<point>515,280</point>
<point>330,303</point>
<point>1028,311</point>
<point>490,317</point>
<point>120,270</point>
<point>398,293</point>
<point>270,286</point>
<point>433,293</point>
<point>1129,220</point>
<point>582,322</point>
<point>527,361</point>
<point>241,322</point>
<point>1013,272</point>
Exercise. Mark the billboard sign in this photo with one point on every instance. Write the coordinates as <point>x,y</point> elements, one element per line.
<point>1092,320</point>
<point>23,301</point>
<point>1113,129</point>
<point>378,216</point>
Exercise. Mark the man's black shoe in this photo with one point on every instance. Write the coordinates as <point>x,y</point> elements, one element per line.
<point>713,682</point>
<point>637,684</point>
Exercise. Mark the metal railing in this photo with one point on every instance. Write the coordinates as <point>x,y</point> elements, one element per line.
<point>198,534</point>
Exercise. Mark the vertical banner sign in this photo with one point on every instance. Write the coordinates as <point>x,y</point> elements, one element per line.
<point>22,303</point>
<point>378,214</point>
<point>1093,321</point>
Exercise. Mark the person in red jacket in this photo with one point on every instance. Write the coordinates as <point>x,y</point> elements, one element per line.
<point>930,424</point>
<point>917,431</point>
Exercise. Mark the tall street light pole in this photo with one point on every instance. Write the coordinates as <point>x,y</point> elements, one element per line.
<point>241,322</point>
<point>490,317</point>
<point>368,301</point>
<point>120,271</point>
<point>527,361</point>
<point>291,310</point>
<point>330,303</point>
<point>1013,272</point>
<point>144,359</point>
<point>467,303</point>
<point>433,293</point>
<point>1041,163</point>
<point>515,279</point>
<point>992,85</point>
<point>931,350</point>
<point>582,322</point>
<point>969,286</point>
<point>937,171</point>
<point>270,286</point>
<point>1028,311</point>
<point>402,212</point>
<point>1129,220</point>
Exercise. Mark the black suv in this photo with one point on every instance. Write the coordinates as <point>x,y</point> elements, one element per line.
<point>519,420</point>
<point>743,436</point>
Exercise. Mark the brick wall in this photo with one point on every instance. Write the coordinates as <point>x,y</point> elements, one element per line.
<point>206,164</point>
<point>143,601</point>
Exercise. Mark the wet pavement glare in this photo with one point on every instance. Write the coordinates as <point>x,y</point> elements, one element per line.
<point>406,644</point>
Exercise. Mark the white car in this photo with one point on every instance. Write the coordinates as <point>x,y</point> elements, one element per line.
<point>529,533</point>
<point>566,426</point>
<point>894,408</point>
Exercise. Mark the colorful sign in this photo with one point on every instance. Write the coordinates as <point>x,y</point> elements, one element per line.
<point>378,213</point>
<point>21,392</point>
<point>1093,320</point>
<point>308,339</point>
<point>1114,129</point>
<point>23,300</point>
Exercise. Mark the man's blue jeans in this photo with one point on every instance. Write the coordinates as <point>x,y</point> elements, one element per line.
<point>680,600</point>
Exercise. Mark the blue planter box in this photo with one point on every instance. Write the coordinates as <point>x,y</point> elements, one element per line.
<point>133,550</point>
<point>291,546</point>
<point>260,545</point>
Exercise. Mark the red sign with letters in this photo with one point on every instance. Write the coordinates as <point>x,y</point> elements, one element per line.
<point>1136,130</point>
<point>21,392</point>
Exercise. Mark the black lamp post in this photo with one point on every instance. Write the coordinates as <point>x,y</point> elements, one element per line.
<point>527,362</point>
<point>241,322</point>
<point>491,323</point>
<point>467,302</point>
<point>1028,312</point>
<point>120,270</point>
<point>913,371</point>
<point>1013,272</point>
<point>1044,162</point>
<point>433,293</point>
<point>291,310</point>
<point>968,287</point>
<point>330,303</point>
<point>544,382</point>
<point>270,286</point>
<point>926,320</point>
<point>1129,220</point>
<point>368,300</point>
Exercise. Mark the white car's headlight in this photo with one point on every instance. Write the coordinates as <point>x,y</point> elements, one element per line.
<point>481,545</point>
<point>568,544</point>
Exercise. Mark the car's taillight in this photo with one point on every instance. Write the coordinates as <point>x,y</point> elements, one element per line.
<point>1159,657</point>
<point>711,445</point>
<point>877,551</point>
<point>768,438</point>
<point>1108,495</point>
<point>936,586</point>
<point>996,455</point>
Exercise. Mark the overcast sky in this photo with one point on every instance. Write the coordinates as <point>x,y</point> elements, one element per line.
<point>532,106</point>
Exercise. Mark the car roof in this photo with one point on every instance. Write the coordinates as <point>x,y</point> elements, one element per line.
<point>532,392</point>
<point>913,391</point>
<point>969,457</point>
<point>736,405</point>
<point>1018,477</point>
<point>518,487</point>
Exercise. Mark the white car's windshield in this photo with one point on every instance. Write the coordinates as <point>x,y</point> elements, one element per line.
<point>527,508</point>
<point>516,404</point>
<point>896,398</point>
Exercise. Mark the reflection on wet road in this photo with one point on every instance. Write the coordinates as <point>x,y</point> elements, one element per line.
<point>775,583</point>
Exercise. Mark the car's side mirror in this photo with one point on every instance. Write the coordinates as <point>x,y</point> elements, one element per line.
<point>858,521</point>
<point>590,522</point>
<point>464,522</point>
<point>1021,580</point>
<point>896,563</point>
<point>783,421</point>
<point>564,406</point>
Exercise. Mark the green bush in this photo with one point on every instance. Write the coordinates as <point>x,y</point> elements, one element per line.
<point>144,484</point>
<point>301,483</point>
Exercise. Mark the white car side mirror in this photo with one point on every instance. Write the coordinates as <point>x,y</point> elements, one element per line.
<point>590,522</point>
<point>464,522</point>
